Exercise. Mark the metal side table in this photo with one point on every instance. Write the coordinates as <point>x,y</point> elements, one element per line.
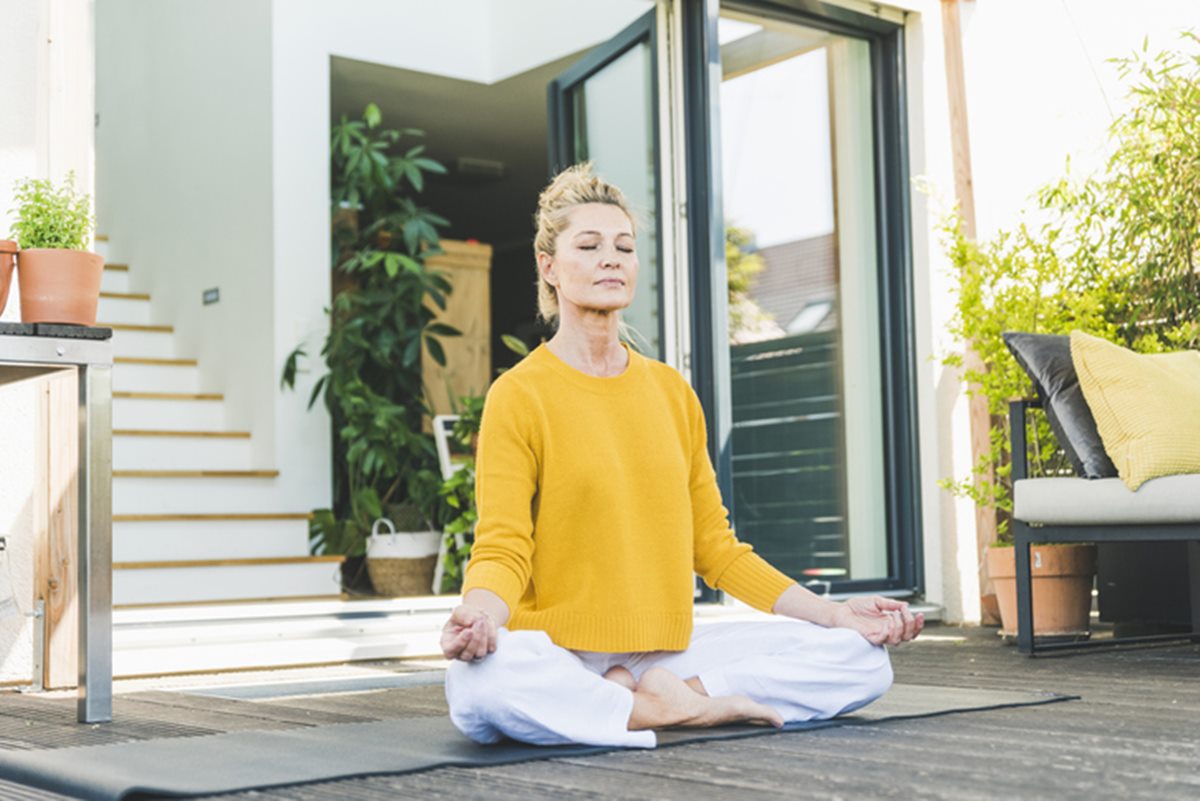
<point>89,351</point>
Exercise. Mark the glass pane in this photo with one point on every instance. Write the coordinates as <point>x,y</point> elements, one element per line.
<point>804,312</point>
<point>613,117</point>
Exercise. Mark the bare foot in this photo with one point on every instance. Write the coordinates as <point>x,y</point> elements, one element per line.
<point>621,675</point>
<point>663,699</point>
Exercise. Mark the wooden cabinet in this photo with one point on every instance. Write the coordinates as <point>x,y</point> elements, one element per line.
<point>468,370</point>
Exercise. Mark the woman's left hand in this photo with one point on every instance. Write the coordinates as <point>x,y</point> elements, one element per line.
<point>882,621</point>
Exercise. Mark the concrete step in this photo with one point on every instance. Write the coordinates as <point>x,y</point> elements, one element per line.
<point>168,492</point>
<point>172,537</point>
<point>142,341</point>
<point>115,278</point>
<point>189,581</point>
<point>169,411</point>
<point>134,374</point>
<point>149,449</point>
<point>124,307</point>
<point>209,637</point>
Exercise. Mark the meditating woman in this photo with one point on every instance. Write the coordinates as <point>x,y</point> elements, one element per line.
<point>597,504</point>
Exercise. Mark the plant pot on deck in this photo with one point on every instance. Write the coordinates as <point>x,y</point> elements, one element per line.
<point>59,285</point>
<point>1062,588</point>
<point>401,563</point>
<point>8,260</point>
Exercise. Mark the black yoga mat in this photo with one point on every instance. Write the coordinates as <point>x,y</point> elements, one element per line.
<point>246,760</point>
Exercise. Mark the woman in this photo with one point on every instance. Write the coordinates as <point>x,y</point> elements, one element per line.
<point>597,503</point>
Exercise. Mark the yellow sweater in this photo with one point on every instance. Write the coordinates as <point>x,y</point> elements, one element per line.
<point>597,500</point>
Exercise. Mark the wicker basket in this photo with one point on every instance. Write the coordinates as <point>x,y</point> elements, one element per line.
<point>401,563</point>
<point>401,576</point>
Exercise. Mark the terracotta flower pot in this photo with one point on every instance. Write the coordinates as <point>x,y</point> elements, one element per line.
<point>59,286</point>
<point>8,260</point>
<point>1062,588</point>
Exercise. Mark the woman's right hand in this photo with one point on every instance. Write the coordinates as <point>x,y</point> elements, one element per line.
<point>469,634</point>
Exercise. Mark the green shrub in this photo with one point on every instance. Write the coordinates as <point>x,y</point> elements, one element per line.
<point>49,216</point>
<point>1116,255</point>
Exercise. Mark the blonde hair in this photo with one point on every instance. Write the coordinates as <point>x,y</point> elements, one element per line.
<point>574,186</point>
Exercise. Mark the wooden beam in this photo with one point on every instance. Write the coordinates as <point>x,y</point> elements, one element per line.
<point>964,192</point>
<point>173,396</point>
<point>207,516</point>
<point>56,524</point>
<point>166,432</point>
<point>260,561</point>
<point>195,473</point>
<point>960,140</point>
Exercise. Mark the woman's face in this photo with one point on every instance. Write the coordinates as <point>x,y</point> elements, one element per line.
<point>595,266</point>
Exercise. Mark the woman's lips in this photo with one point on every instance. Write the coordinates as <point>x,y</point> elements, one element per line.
<point>612,281</point>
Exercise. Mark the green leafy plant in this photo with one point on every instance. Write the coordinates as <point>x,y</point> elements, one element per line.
<point>743,265</point>
<point>458,491</point>
<point>1115,255</point>
<point>379,322</point>
<point>49,216</point>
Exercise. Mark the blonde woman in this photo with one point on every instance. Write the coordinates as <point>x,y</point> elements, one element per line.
<point>597,503</point>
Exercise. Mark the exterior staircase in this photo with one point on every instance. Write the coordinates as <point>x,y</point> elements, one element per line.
<point>207,575</point>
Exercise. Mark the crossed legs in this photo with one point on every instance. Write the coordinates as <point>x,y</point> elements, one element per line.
<point>535,691</point>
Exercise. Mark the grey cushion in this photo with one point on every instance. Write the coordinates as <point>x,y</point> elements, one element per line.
<point>1073,501</point>
<point>1047,360</point>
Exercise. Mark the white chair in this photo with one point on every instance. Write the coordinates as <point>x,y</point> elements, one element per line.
<point>443,429</point>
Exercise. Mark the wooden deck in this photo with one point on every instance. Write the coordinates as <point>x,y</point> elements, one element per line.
<point>1135,734</point>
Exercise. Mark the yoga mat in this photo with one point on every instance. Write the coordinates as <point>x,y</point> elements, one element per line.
<point>246,760</point>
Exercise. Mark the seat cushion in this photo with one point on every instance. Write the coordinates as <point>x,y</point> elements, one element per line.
<point>1047,360</point>
<point>1075,501</point>
<point>1144,405</point>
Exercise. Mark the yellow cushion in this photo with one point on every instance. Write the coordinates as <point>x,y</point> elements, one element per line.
<point>1147,407</point>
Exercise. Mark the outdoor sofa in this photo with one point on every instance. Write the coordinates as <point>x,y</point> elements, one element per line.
<point>1127,424</point>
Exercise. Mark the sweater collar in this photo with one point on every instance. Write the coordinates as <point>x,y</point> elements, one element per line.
<point>610,384</point>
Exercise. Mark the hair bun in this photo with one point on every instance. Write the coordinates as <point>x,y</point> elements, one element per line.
<point>577,185</point>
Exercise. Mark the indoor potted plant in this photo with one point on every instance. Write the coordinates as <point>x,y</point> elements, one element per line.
<point>58,277</point>
<point>381,320</point>
<point>8,260</point>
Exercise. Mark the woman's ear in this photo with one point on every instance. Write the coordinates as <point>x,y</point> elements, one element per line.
<point>545,264</point>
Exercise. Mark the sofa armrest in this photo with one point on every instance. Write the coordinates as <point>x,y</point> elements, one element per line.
<point>1016,432</point>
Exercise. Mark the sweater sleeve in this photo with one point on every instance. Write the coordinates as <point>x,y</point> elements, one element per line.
<point>506,480</point>
<point>720,559</point>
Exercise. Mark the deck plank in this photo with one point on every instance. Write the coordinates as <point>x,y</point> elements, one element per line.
<point>1133,735</point>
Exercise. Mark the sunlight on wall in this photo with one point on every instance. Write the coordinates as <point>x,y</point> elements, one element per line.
<point>17,428</point>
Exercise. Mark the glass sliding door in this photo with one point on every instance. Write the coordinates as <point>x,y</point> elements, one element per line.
<point>805,353</point>
<point>603,110</point>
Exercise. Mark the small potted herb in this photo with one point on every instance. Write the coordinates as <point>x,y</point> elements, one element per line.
<point>58,277</point>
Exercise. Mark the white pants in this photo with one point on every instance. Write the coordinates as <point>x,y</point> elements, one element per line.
<point>537,692</point>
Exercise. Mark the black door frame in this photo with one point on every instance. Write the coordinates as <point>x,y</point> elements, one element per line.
<point>562,121</point>
<point>710,359</point>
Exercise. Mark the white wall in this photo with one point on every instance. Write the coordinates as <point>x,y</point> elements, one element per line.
<point>18,415</point>
<point>185,185</point>
<point>528,33</point>
<point>1038,89</point>
<point>46,81</point>
<point>45,131</point>
<point>18,159</point>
